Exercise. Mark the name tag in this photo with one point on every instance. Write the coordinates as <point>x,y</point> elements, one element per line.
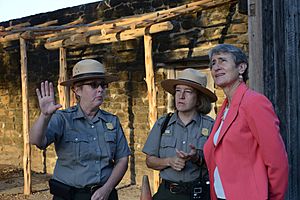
<point>167,132</point>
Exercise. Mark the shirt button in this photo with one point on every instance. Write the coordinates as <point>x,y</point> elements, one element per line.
<point>92,126</point>
<point>183,142</point>
<point>94,138</point>
<point>76,139</point>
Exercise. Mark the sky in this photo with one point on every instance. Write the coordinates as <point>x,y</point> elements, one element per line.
<point>14,9</point>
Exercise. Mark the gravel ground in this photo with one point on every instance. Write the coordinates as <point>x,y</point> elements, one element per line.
<point>11,186</point>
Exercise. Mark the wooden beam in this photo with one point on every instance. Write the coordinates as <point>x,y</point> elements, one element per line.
<point>131,34</point>
<point>108,27</point>
<point>100,39</point>
<point>256,81</point>
<point>151,94</point>
<point>25,108</point>
<point>64,92</point>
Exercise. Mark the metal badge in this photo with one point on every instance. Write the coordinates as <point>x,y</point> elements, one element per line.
<point>167,132</point>
<point>204,131</point>
<point>109,126</point>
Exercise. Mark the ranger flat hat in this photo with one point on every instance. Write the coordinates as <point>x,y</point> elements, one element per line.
<point>192,78</point>
<point>89,69</point>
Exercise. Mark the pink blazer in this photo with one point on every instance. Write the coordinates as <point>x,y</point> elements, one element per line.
<point>250,154</point>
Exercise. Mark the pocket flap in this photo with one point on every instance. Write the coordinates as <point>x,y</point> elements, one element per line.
<point>76,137</point>
<point>110,137</point>
<point>168,142</point>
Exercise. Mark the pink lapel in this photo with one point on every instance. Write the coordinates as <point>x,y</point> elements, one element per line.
<point>233,110</point>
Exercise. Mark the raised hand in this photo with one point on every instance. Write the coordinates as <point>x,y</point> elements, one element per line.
<point>46,99</point>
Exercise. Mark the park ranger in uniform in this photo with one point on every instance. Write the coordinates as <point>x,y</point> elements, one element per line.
<point>174,145</point>
<point>92,151</point>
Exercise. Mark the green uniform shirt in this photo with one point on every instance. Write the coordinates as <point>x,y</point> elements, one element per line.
<point>86,149</point>
<point>178,136</point>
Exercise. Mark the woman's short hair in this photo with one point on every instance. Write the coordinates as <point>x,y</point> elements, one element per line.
<point>237,54</point>
<point>204,104</point>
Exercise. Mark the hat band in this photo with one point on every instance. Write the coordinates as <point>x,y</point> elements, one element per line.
<point>89,74</point>
<point>188,80</point>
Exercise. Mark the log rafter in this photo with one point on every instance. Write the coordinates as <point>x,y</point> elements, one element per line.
<point>76,34</point>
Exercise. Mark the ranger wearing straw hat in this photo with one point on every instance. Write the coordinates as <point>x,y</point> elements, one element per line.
<point>174,145</point>
<point>92,151</point>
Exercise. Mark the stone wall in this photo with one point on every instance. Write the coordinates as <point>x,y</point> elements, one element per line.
<point>186,46</point>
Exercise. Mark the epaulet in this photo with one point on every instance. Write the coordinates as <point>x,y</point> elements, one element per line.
<point>162,118</point>
<point>106,113</point>
<point>208,118</point>
<point>70,109</point>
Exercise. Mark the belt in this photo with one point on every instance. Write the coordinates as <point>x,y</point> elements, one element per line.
<point>176,188</point>
<point>87,189</point>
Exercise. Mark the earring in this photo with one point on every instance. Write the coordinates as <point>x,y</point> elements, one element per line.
<point>240,77</point>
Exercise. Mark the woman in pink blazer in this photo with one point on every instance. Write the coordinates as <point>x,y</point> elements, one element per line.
<point>245,154</point>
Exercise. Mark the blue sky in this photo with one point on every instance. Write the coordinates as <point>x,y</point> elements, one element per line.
<point>13,9</point>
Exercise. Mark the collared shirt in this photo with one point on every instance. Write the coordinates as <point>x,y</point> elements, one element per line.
<point>178,136</point>
<point>86,149</point>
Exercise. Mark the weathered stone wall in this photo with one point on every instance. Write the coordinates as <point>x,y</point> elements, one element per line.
<point>186,46</point>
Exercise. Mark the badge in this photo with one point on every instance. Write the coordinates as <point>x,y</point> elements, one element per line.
<point>167,132</point>
<point>109,126</point>
<point>204,131</point>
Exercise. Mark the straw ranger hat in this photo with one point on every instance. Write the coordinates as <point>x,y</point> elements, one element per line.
<point>89,69</point>
<point>192,78</point>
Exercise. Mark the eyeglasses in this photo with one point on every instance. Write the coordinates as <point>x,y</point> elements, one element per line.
<point>96,84</point>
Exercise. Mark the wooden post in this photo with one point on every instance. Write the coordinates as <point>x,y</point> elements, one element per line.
<point>25,108</point>
<point>63,92</point>
<point>255,45</point>
<point>151,94</point>
<point>170,98</point>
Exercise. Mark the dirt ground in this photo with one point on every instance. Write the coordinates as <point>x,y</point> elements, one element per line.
<point>11,186</point>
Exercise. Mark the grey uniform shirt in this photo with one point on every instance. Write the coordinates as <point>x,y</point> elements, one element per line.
<point>86,149</point>
<point>178,136</point>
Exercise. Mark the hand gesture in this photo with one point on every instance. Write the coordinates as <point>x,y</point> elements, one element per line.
<point>46,99</point>
<point>177,163</point>
<point>192,155</point>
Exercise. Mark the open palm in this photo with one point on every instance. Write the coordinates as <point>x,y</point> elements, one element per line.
<point>46,98</point>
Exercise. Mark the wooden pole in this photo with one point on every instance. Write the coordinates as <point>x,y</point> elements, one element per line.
<point>170,98</point>
<point>151,94</point>
<point>255,45</point>
<point>64,92</point>
<point>25,107</point>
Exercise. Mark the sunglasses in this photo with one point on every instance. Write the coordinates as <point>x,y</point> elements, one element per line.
<point>96,84</point>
